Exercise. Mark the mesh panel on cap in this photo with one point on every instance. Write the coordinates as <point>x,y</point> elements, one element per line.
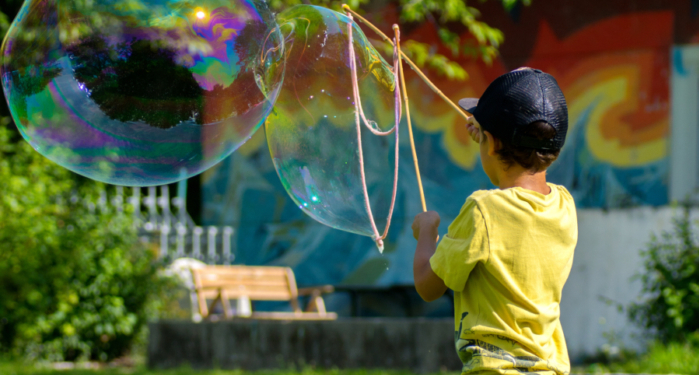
<point>519,98</point>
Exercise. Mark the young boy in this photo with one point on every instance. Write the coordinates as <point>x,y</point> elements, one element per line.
<point>509,252</point>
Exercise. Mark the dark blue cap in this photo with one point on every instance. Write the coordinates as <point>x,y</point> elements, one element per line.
<point>517,99</point>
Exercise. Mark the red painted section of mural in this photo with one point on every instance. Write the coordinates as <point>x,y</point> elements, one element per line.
<point>610,58</point>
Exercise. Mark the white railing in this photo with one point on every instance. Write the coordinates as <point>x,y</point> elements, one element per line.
<point>165,220</point>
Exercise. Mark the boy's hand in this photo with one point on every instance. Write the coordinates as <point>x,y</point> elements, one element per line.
<point>473,128</point>
<point>426,223</point>
<point>428,285</point>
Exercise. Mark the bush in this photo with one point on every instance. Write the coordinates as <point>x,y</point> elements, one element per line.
<point>75,282</point>
<point>670,281</point>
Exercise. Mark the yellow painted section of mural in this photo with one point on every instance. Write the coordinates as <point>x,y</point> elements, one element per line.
<point>438,117</point>
<point>609,94</point>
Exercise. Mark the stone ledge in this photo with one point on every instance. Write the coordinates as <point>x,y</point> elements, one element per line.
<point>419,345</point>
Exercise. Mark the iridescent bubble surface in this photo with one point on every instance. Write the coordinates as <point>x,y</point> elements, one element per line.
<point>141,92</point>
<point>312,134</point>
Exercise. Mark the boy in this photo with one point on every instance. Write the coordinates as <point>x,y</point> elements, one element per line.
<point>509,252</point>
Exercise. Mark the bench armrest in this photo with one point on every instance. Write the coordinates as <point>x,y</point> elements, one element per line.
<point>316,289</point>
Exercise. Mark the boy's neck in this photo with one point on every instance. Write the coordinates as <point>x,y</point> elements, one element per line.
<point>517,176</point>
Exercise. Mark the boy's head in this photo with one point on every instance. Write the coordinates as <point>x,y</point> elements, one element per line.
<point>523,119</point>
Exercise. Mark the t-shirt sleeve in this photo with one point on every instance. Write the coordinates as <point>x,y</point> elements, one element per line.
<point>462,248</point>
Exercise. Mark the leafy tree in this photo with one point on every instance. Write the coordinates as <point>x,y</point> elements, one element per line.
<point>443,15</point>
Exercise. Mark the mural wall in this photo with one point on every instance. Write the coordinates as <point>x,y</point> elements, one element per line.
<point>612,62</point>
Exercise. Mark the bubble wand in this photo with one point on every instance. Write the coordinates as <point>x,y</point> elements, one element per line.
<point>404,57</point>
<point>396,29</point>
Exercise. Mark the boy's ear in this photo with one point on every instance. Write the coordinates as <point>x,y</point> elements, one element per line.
<point>494,144</point>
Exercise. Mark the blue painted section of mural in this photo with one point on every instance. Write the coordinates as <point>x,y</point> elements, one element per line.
<point>596,184</point>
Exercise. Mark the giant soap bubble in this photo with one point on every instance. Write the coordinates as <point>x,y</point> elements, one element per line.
<point>313,133</point>
<point>141,92</point>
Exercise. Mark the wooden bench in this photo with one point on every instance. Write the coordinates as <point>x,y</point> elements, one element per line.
<point>224,283</point>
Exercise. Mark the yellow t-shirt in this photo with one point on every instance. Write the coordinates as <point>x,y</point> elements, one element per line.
<point>507,256</point>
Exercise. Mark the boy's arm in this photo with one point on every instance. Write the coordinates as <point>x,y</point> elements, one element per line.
<point>429,286</point>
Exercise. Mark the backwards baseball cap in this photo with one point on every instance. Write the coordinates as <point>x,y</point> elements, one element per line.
<point>517,99</point>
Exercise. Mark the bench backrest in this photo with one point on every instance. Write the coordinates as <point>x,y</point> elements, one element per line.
<point>256,283</point>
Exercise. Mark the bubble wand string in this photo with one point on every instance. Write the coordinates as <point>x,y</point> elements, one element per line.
<point>398,72</point>
<point>359,118</point>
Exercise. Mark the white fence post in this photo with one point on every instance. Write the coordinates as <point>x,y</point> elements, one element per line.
<point>196,242</point>
<point>227,256</point>
<point>164,233</point>
<point>158,222</point>
<point>211,243</point>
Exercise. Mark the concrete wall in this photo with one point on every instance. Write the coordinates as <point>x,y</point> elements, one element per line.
<point>606,259</point>
<point>419,345</point>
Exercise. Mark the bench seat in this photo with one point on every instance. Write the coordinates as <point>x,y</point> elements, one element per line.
<point>257,283</point>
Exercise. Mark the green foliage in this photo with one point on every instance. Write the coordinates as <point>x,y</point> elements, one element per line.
<point>670,281</point>
<point>456,11</point>
<point>75,282</point>
<point>421,55</point>
<point>444,15</point>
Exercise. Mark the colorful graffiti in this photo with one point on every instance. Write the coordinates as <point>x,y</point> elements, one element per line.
<point>614,71</point>
<point>618,97</point>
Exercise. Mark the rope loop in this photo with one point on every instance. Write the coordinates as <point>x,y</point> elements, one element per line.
<point>361,118</point>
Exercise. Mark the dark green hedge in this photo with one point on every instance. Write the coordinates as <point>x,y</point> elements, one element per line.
<point>75,281</point>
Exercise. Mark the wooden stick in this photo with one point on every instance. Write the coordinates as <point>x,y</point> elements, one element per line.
<point>396,30</point>
<point>417,70</point>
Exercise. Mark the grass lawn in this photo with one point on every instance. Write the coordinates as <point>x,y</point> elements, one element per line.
<point>21,369</point>
<point>670,359</point>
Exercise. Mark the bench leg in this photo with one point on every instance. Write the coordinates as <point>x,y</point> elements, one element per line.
<point>317,303</point>
<point>214,302</point>
<point>222,297</point>
<point>320,305</point>
<point>203,310</point>
<point>227,311</point>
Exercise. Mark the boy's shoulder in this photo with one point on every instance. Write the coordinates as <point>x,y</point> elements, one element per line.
<point>488,199</point>
<point>475,200</point>
<point>481,195</point>
<point>484,198</point>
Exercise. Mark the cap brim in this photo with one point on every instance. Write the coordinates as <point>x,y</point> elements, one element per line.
<point>468,104</point>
